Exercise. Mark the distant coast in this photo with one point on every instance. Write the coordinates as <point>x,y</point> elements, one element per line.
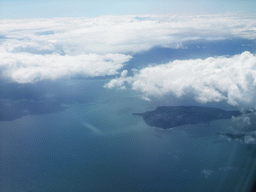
<point>173,116</point>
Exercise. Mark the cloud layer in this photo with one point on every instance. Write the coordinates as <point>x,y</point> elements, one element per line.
<point>231,79</point>
<point>37,49</point>
<point>27,67</point>
<point>121,34</point>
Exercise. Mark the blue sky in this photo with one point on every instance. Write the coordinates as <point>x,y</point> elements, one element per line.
<point>14,9</point>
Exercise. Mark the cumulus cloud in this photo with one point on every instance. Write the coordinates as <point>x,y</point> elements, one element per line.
<point>27,67</point>
<point>242,124</point>
<point>29,46</point>
<point>230,79</point>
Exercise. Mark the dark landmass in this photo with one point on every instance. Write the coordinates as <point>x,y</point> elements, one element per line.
<point>10,110</point>
<point>43,97</point>
<point>173,116</point>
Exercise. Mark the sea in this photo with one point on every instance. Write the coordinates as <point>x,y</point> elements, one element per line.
<point>82,137</point>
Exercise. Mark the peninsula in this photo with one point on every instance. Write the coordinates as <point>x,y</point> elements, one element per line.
<point>173,116</point>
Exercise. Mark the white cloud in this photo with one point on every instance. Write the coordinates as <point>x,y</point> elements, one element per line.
<point>231,79</point>
<point>249,139</point>
<point>27,67</point>
<point>207,173</point>
<point>122,34</point>
<point>247,121</point>
<point>29,47</point>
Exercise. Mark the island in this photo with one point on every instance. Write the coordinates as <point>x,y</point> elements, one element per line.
<point>173,116</point>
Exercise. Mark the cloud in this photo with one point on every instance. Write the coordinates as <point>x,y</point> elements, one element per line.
<point>207,173</point>
<point>242,124</point>
<point>123,34</point>
<point>27,67</point>
<point>36,49</point>
<point>230,79</point>
<point>250,139</point>
<point>221,170</point>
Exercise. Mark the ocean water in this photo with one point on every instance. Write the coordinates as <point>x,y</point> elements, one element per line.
<point>100,146</point>
<point>85,138</point>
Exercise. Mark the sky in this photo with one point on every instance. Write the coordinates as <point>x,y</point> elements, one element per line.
<point>54,40</point>
<point>90,64</point>
<point>73,72</point>
<point>14,9</point>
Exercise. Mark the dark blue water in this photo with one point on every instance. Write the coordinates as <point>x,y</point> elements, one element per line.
<point>73,151</point>
<point>85,138</point>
